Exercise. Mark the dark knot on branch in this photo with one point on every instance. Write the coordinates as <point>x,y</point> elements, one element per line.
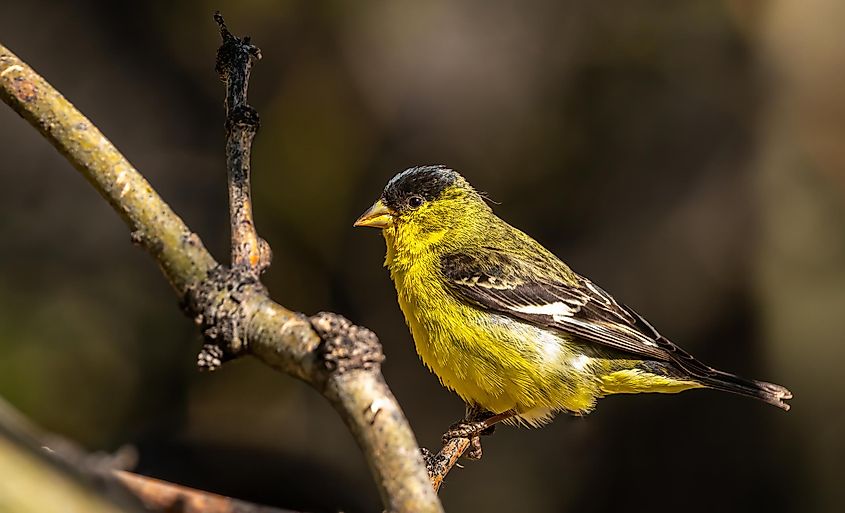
<point>245,118</point>
<point>218,307</point>
<point>345,346</point>
<point>235,52</point>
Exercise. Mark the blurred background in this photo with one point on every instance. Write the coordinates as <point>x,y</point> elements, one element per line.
<point>686,156</point>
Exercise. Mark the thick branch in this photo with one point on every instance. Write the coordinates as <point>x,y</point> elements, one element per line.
<point>35,480</point>
<point>237,312</point>
<point>234,63</point>
<point>65,478</point>
<point>179,252</point>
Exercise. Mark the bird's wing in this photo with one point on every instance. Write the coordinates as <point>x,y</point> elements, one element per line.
<point>518,288</point>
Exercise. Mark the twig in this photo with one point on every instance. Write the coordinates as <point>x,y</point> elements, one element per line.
<point>233,309</point>
<point>234,63</point>
<point>163,496</point>
<point>439,465</point>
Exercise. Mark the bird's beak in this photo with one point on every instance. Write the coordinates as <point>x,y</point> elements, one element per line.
<point>377,216</point>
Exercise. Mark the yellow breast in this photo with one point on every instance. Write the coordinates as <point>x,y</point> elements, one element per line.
<point>488,360</point>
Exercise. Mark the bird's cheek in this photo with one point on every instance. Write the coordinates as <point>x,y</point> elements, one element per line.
<point>434,237</point>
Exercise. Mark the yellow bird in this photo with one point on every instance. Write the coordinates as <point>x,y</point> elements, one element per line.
<point>507,325</point>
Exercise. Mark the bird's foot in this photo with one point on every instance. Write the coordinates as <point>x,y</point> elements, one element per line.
<point>471,430</point>
<point>468,429</point>
<point>474,452</point>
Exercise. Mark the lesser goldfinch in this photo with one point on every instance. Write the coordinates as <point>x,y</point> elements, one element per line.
<point>507,325</point>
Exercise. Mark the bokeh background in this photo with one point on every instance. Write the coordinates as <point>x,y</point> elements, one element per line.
<point>687,156</point>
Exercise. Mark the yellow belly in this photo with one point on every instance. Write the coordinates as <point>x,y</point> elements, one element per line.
<point>495,362</point>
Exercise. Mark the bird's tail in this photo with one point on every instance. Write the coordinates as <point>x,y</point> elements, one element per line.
<point>769,392</point>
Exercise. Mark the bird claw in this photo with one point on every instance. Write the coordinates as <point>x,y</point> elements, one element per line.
<point>474,452</point>
<point>464,429</point>
<point>472,431</point>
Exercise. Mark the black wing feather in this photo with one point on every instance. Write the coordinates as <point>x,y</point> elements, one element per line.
<point>500,284</point>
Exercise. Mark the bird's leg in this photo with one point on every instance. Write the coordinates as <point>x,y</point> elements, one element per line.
<point>477,422</point>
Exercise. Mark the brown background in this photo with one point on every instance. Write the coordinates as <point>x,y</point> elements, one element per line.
<point>687,156</point>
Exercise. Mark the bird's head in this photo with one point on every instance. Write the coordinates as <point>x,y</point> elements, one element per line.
<point>421,205</point>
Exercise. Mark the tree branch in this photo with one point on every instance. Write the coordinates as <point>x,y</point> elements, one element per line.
<point>36,480</point>
<point>43,472</point>
<point>439,465</point>
<point>163,496</point>
<point>179,252</point>
<point>230,305</point>
<point>234,63</point>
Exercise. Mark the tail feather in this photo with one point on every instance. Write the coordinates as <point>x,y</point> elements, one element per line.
<point>769,392</point>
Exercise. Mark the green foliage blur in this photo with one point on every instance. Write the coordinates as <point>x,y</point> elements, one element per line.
<point>686,156</point>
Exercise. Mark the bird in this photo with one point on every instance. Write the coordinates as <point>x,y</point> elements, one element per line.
<point>508,326</point>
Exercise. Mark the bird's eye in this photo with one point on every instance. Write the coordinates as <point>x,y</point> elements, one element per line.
<point>415,201</point>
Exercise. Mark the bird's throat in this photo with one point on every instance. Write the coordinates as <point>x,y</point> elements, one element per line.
<point>407,247</point>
